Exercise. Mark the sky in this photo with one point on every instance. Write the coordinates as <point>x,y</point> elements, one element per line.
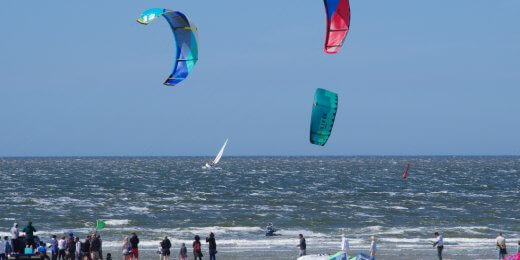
<point>83,78</point>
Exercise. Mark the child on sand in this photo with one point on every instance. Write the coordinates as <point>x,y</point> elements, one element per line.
<point>183,253</point>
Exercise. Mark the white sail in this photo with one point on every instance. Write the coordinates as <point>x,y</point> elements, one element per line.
<point>220,153</point>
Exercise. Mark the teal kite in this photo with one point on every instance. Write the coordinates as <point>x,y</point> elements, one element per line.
<point>185,33</point>
<point>323,115</point>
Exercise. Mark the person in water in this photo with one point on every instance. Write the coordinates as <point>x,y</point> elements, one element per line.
<point>501,244</point>
<point>302,245</point>
<point>439,243</point>
<point>197,251</point>
<point>183,253</point>
<point>212,246</point>
<point>373,248</point>
<point>269,229</point>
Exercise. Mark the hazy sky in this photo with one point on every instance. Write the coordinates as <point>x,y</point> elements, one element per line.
<point>414,78</point>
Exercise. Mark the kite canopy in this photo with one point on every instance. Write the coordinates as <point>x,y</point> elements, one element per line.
<point>185,34</point>
<point>323,115</point>
<point>338,24</point>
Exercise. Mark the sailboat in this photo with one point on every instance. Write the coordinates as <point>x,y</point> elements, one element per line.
<point>211,164</point>
<point>405,173</point>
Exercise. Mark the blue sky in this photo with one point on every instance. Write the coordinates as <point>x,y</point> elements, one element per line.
<point>414,78</point>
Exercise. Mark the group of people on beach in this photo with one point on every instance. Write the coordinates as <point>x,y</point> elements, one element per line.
<point>70,247</point>
<point>66,248</point>
<point>130,248</point>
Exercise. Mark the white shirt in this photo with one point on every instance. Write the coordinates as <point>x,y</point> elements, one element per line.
<point>2,246</point>
<point>501,241</point>
<point>344,244</point>
<point>373,247</point>
<point>439,241</point>
<point>14,233</point>
<point>78,247</point>
<point>61,244</point>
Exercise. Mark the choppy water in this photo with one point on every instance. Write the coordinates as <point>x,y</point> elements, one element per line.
<point>468,199</point>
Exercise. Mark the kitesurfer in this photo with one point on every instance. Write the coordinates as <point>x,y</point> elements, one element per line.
<point>439,243</point>
<point>269,229</point>
<point>302,245</point>
<point>501,244</point>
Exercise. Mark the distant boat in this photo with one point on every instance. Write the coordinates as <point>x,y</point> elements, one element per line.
<point>405,173</point>
<point>217,158</point>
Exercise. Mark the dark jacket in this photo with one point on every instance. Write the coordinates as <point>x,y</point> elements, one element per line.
<point>29,231</point>
<point>166,244</point>
<point>134,241</point>
<point>95,245</point>
<point>71,246</point>
<point>303,245</point>
<point>212,243</point>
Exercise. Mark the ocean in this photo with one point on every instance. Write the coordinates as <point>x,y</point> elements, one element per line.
<point>468,199</point>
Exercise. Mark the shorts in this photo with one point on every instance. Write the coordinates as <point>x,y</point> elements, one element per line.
<point>165,251</point>
<point>134,253</point>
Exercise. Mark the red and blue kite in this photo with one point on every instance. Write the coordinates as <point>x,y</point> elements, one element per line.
<point>338,24</point>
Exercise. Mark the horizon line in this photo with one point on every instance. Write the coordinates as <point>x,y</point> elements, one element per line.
<point>197,156</point>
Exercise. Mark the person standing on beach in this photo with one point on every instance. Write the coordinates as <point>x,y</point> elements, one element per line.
<point>134,242</point>
<point>62,246</point>
<point>85,248</point>
<point>501,244</point>
<point>302,245</point>
<point>15,233</point>
<point>212,246</point>
<point>344,247</point>
<point>3,246</point>
<point>183,253</point>
<point>71,247</point>
<point>439,243</point>
<point>8,247</point>
<point>126,248</point>
<point>54,247</point>
<point>197,251</point>
<point>29,235</point>
<point>78,255</point>
<point>42,250</point>
<point>95,247</point>
<point>373,248</point>
<point>165,249</point>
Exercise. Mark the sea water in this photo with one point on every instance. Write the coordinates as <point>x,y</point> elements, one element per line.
<point>467,199</point>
